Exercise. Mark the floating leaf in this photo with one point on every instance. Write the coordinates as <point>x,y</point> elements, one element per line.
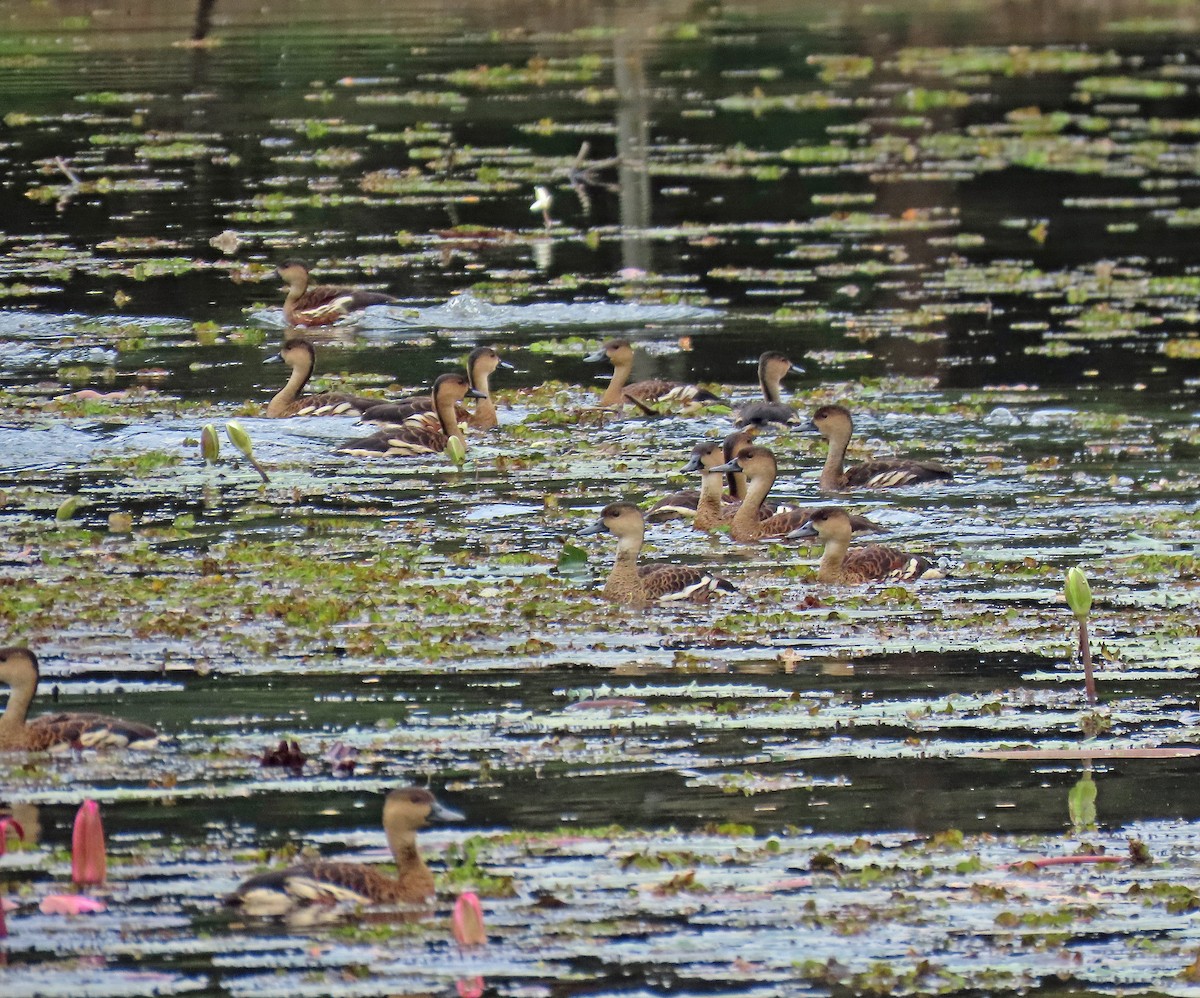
<point>67,508</point>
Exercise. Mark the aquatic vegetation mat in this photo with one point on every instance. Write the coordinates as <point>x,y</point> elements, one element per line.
<point>983,250</point>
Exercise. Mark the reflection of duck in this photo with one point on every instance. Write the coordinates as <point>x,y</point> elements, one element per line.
<point>329,882</point>
<point>773,367</point>
<point>321,304</point>
<point>841,563</point>
<point>424,432</point>
<point>481,363</point>
<point>57,732</point>
<point>684,503</point>
<point>300,355</point>
<point>836,425</point>
<point>759,466</point>
<point>629,583</point>
<point>620,353</point>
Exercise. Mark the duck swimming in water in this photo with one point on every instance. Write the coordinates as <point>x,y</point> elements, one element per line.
<point>405,811</point>
<point>619,352</point>
<point>759,466</point>
<point>841,563</point>
<point>322,304</point>
<point>836,425</point>
<point>423,432</point>
<point>300,355</point>
<point>481,363</point>
<point>773,367</point>
<point>638,585</point>
<point>685,503</point>
<point>57,732</point>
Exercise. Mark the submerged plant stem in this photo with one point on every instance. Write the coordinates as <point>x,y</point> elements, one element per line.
<point>1085,654</point>
<point>259,468</point>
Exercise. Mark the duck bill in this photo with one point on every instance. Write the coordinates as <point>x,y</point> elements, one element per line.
<point>593,528</point>
<point>441,814</point>
<point>475,393</point>
<point>506,365</point>
<point>693,465</point>
<point>728,467</point>
<point>275,358</point>
<point>812,427</point>
<point>89,863</point>
<point>803,531</point>
<point>596,356</point>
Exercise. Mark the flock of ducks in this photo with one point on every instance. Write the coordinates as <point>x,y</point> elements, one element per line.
<point>426,424</point>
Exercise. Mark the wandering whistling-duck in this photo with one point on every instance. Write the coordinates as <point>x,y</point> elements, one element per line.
<point>758,465</point>
<point>836,425</point>
<point>424,432</point>
<point>57,732</point>
<point>321,304</point>
<point>841,563</point>
<point>328,882</point>
<point>300,355</point>
<point>773,367</point>
<point>629,583</point>
<point>620,354</point>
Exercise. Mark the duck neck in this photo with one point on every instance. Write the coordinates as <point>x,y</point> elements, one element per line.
<point>624,583</point>
<point>296,289</point>
<point>831,473</point>
<point>291,391</point>
<point>20,694</point>
<point>770,388</point>
<point>485,409</point>
<point>708,506</point>
<point>403,844</point>
<point>736,481</point>
<point>448,415</point>
<point>612,394</point>
<point>832,559</point>
<point>746,520</point>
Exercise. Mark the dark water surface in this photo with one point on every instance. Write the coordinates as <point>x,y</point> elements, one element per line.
<point>973,224</point>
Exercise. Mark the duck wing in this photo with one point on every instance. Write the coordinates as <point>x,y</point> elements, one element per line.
<point>331,404</point>
<point>398,411</point>
<point>766,414</point>
<point>422,433</point>
<point>678,583</point>
<point>404,410</point>
<point>875,561</point>
<point>328,882</point>
<point>658,390</point>
<point>58,732</point>
<point>326,303</point>
<point>890,474</point>
<point>677,505</point>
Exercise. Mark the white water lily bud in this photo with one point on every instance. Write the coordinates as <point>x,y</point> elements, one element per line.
<point>239,437</point>
<point>210,444</point>
<point>1079,593</point>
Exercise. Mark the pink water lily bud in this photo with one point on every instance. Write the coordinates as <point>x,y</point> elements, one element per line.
<point>469,987</point>
<point>467,920</point>
<point>89,861</point>
<point>70,904</point>
<point>5,825</point>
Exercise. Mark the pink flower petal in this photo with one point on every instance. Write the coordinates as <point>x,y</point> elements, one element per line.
<point>467,920</point>
<point>70,904</point>
<point>89,862</point>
